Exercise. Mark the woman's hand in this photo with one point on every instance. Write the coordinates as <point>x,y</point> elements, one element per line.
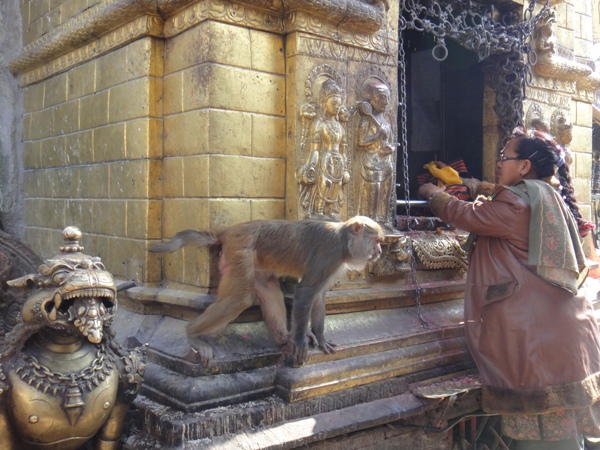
<point>429,189</point>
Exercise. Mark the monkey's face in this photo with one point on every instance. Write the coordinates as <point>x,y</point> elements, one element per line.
<point>375,249</point>
<point>365,238</point>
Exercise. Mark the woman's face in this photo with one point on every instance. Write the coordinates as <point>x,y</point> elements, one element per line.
<point>509,165</point>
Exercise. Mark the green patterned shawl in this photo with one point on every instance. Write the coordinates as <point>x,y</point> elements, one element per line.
<point>554,243</point>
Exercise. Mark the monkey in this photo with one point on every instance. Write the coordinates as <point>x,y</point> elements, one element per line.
<point>255,254</point>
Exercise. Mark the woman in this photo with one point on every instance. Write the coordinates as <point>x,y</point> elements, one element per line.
<point>531,331</point>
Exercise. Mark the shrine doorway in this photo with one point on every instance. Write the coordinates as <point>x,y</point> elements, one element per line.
<point>445,101</point>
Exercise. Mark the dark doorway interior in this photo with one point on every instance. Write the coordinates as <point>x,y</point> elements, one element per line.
<point>444,108</point>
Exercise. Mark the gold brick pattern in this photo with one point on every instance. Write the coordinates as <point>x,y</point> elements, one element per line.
<point>92,147</point>
<point>582,165</point>
<point>583,189</point>
<point>224,137</point>
<point>189,266</point>
<point>40,16</point>
<point>141,138</point>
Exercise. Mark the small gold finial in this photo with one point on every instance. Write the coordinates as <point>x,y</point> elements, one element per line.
<point>71,236</point>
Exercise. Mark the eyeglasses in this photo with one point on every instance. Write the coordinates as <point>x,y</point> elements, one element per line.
<point>503,158</point>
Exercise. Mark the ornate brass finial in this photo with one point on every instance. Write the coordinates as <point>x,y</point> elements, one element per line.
<point>71,236</point>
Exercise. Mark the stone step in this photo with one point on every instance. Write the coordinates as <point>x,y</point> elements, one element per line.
<point>251,425</point>
<point>397,292</point>
<point>322,426</point>
<point>372,346</point>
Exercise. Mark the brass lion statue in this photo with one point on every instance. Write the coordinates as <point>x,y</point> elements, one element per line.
<point>65,383</point>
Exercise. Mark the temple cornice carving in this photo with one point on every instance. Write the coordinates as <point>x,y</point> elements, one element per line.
<point>363,16</point>
<point>554,65</point>
<point>81,30</point>
<point>354,15</point>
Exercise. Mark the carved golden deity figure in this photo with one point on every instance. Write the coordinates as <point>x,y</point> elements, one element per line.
<point>64,381</point>
<point>541,124</point>
<point>325,173</point>
<point>562,129</point>
<point>545,58</point>
<point>376,162</point>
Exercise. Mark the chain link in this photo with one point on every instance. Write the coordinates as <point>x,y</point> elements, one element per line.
<point>475,28</point>
<point>404,146</point>
<point>43,378</point>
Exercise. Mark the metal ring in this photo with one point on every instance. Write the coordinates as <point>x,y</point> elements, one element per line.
<point>444,52</point>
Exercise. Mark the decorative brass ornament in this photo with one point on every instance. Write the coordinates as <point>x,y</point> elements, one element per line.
<point>562,130</point>
<point>323,176</point>
<point>396,257</point>
<point>544,55</point>
<point>441,252</point>
<point>64,380</point>
<point>374,151</point>
<point>558,126</point>
<point>556,67</point>
<point>534,118</point>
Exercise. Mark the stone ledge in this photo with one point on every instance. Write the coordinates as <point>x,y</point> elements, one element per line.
<point>333,415</point>
<point>326,425</point>
<point>373,347</point>
<point>380,295</point>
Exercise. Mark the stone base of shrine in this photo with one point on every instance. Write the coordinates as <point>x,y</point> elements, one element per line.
<point>249,397</point>
<point>393,422</point>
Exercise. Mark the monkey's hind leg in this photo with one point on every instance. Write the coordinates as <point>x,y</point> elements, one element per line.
<point>272,306</point>
<point>235,294</point>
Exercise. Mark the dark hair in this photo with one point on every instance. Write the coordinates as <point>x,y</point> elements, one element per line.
<point>545,155</point>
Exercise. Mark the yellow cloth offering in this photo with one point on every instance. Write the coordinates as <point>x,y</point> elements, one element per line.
<point>446,176</point>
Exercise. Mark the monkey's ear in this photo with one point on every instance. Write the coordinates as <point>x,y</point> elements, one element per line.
<point>357,227</point>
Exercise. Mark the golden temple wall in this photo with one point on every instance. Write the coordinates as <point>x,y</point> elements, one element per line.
<point>224,135</point>
<point>92,148</point>
<point>142,118</point>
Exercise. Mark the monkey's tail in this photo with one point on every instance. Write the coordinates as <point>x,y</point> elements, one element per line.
<point>186,237</point>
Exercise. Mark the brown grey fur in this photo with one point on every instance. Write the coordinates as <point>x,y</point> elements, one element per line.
<point>253,257</point>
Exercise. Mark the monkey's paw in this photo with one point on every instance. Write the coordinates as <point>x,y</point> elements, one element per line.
<point>326,346</point>
<point>295,354</point>
<point>203,350</point>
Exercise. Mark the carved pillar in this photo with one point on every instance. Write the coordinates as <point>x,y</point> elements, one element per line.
<point>327,173</point>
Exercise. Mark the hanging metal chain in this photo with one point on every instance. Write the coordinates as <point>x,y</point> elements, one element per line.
<point>475,28</point>
<point>485,32</point>
<point>402,109</point>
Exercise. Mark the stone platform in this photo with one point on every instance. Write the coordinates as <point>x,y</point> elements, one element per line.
<point>382,350</point>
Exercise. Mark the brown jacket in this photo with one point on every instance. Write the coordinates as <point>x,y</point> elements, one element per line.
<point>535,344</point>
